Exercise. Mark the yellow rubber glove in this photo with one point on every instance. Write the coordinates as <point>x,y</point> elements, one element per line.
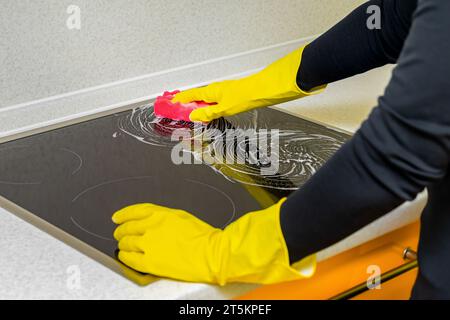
<point>275,84</point>
<point>174,244</point>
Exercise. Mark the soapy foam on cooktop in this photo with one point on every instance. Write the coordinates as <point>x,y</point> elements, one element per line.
<point>142,124</point>
<point>300,155</point>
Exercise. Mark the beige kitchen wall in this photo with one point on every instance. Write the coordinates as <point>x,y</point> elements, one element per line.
<point>120,39</point>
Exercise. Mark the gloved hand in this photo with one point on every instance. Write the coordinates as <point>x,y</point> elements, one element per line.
<point>275,84</point>
<point>174,244</point>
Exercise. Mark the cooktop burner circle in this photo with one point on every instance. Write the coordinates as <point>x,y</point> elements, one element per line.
<point>94,203</point>
<point>34,161</point>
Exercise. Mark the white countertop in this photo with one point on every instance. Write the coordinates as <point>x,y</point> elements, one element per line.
<point>34,265</point>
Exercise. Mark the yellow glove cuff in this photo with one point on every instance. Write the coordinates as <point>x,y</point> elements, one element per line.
<point>254,251</point>
<point>279,79</point>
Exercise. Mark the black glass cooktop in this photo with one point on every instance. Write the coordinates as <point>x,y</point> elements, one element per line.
<point>74,178</point>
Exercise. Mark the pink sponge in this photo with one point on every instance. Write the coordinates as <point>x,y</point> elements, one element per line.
<point>165,108</point>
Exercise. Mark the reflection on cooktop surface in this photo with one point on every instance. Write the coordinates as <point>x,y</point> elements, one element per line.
<point>76,177</point>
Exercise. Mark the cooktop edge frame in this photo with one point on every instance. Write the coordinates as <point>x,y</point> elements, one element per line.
<point>96,115</point>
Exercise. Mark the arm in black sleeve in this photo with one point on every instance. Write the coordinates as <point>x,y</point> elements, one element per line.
<point>350,47</point>
<point>403,147</point>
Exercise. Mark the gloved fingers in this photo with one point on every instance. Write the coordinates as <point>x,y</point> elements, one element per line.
<point>206,94</point>
<point>129,228</point>
<point>207,114</point>
<point>190,95</point>
<point>134,260</point>
<point>136,212</point>
<point>131,243</point>
<point>139,227</point>
<point>133,212</point>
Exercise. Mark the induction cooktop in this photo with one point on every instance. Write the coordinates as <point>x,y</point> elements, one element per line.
<point>69,180</point>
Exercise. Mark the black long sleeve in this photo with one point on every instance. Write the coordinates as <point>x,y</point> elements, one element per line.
<point>350,47</point>
<point>403,146</point>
